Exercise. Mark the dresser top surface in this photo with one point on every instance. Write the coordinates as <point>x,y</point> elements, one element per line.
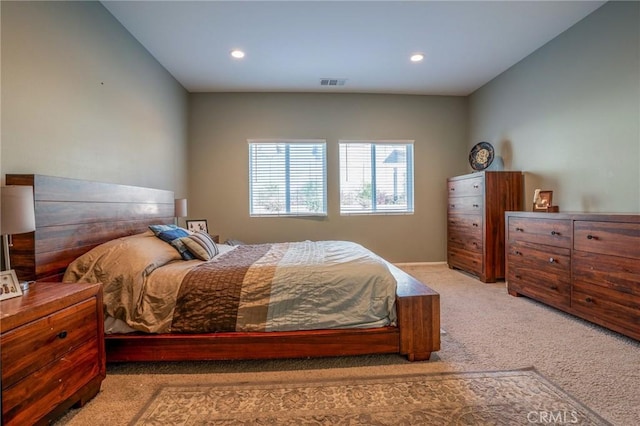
<point>42,298</point>
<point>602,217</point>
<point>484,173</point>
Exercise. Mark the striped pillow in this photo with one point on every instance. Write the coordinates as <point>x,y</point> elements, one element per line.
<point>200,245</point>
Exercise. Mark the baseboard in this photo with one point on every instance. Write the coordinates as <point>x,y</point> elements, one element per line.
<point>417,264</point>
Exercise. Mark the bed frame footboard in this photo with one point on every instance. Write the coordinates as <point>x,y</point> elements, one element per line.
<point>418,310</point>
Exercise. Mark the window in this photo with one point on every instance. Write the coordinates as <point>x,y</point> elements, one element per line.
<point>376,177</point>
<point>287,178</point>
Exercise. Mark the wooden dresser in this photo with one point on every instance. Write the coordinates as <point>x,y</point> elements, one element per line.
<point>583,263</point>
<point>475,221</point>
<point>52,351</point>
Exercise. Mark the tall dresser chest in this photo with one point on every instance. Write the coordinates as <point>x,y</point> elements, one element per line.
<point>475,221</point>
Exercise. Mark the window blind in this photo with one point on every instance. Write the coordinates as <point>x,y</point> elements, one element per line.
<point>287,178</point>
<point>376,177</point>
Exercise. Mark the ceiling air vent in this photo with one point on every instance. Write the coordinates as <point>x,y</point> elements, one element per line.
<point>332,81</point>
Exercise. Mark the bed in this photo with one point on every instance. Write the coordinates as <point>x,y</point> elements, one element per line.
<point>74,217</point>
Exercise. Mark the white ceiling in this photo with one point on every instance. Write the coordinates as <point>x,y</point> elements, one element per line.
<point>291,45</point>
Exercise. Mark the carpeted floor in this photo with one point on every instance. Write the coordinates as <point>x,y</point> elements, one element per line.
<point>480,398</point>
<point>485,330</point>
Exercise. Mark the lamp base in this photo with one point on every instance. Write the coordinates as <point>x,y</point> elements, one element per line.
<point>5,252</point>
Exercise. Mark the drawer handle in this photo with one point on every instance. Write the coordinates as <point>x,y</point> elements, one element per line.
<point>519,276</point>
<point>519,230</point>
<point>475,185</point>
<point>452,205</point>
<point>555,233</point>
<point>554,287</point>
<point>476,205</point>
<point>519,253</point>
<point>62,334</point>
<point>588,300</point>
<point>591,237</point>
<point>552,260</point>
<point>475,224</point>
<point>452,189</point>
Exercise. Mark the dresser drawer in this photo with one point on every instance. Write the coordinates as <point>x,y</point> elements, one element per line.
<point>554,232</point>
<point>470,224</point>
<point>556,294</point>
<point>555,260</point>
<point>471,244</point>
<point>466,187</point>
<point>465,230</point>
<point>541,272</point>
<point>468,260</point>
<point>614,238</point>
<point>616,273</point>
<point>36,344</point>
<point>617,310</point>
<point>39,393</point>
<point>467,205</point>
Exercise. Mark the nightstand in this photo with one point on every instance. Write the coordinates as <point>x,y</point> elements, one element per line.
<point>53,354</point>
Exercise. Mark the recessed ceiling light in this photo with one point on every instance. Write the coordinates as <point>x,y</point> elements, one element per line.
<point>238,54</point>
<point>417,57</point>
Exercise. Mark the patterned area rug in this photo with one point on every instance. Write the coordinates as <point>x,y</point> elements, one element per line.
<point>480,398</point>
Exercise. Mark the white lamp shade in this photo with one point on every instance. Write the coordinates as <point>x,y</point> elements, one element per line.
<point>18,215</point>
<point>180,207</point>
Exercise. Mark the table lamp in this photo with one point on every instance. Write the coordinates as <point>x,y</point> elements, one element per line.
<point>180,208</point>
<point>17,215</point>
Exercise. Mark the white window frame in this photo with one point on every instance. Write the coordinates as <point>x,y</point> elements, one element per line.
<point>254,211</point>
<point>374,208</point>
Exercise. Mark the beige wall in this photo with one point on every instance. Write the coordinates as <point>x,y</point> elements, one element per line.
<point>569,114</point>
<point>220,125</point>
<point>81,98</point>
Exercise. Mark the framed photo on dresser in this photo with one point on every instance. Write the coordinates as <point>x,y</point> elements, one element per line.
<point>543,201</point>
<point>9,285</point>
<point>197,225</point>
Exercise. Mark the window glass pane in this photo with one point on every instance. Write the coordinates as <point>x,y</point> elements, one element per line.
<point>355,177</point>
<point>376,177</point>
<point>287,178</point>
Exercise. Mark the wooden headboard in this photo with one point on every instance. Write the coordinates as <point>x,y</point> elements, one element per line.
<point>73,216</point>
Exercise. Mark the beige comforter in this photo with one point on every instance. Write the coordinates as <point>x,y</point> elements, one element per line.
<point>267,287</point>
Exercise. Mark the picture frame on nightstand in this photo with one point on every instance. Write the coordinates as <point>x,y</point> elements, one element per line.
<point>9,285</point>
<point>197,225</point>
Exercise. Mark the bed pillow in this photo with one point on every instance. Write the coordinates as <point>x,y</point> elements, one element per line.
<point>201,245</point>
<point>172,235</point>
<point>132,257</point>
<point>159,228</point>
<point>168,233</point>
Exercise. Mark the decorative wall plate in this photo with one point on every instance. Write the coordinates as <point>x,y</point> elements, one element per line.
<point>481,156</point>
